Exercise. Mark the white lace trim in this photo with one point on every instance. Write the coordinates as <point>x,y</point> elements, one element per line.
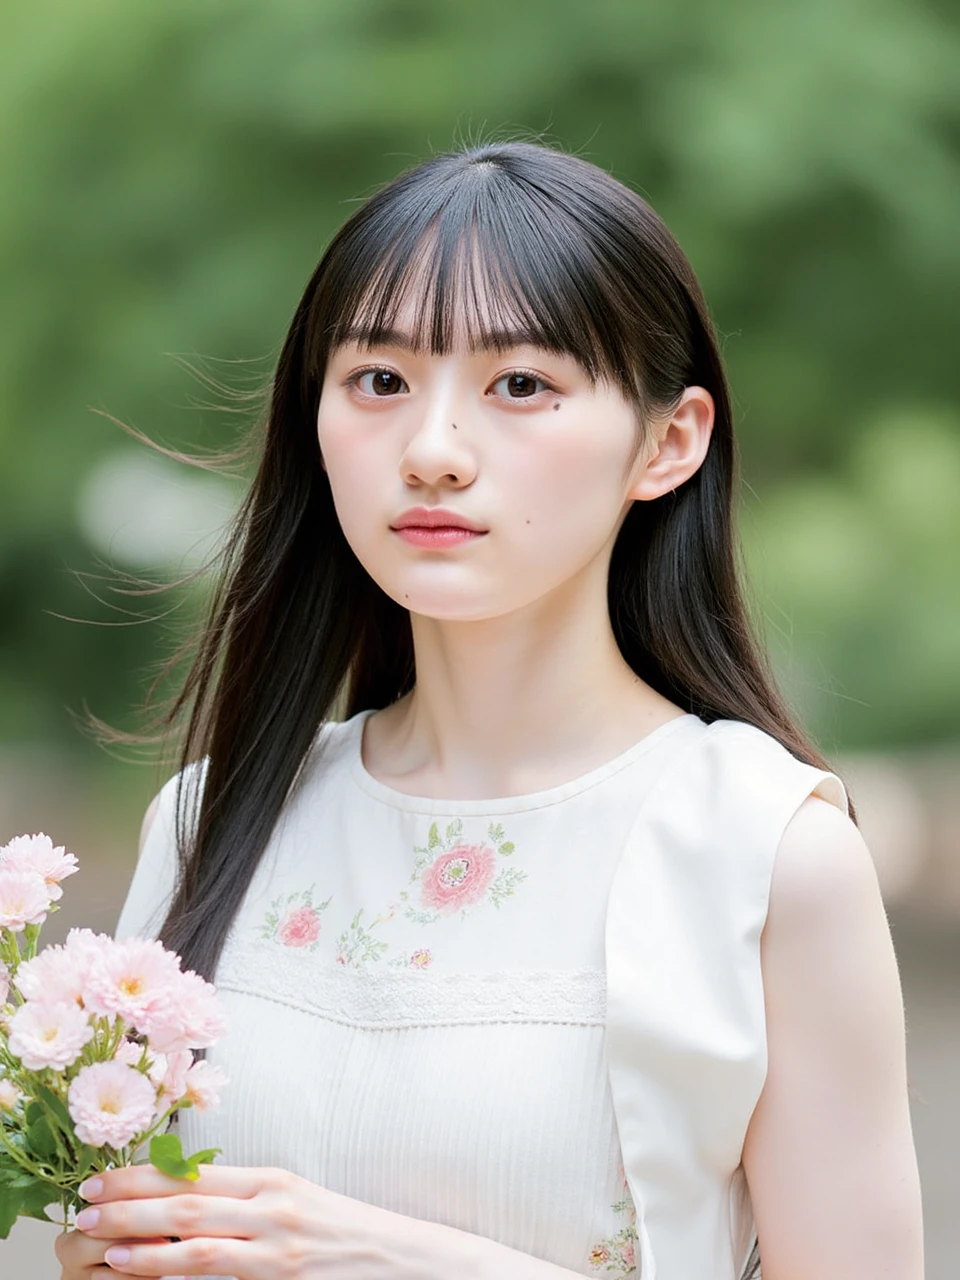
<point>380,999</point>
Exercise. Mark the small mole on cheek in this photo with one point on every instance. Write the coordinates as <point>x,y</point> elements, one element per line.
<point>556,406</point>
<point>528,522</point>
<point>454,425</point>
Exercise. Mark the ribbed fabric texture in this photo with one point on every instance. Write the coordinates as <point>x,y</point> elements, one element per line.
<point>416,994</point>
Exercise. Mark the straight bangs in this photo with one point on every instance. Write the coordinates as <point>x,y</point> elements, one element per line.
<point>481,259</point>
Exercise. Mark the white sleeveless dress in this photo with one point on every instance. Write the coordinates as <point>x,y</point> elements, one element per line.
<point>538,1019</point>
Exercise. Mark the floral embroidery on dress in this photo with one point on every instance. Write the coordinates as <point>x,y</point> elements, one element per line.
<point>356,945</point>
<point>455,875</point>
<point>294,925</point>
<point>616,1255</point>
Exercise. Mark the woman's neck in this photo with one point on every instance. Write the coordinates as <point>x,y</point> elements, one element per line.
<point>514,704</point>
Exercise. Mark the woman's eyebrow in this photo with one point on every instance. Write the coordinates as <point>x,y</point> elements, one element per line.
<point>489,340</point>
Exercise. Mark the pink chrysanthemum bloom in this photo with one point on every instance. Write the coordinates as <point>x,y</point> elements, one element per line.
<point>38,853</point>
<point>48,1035</point>
<point>9,1095</point>
<point>170,1074</point>
<point>23,898</point>
<point>60,973</point>
<point>204,1082</point>
<point>111,1103</point>
<point>134,979</point>
<point>129,1052</point>
<point>192,1019</point>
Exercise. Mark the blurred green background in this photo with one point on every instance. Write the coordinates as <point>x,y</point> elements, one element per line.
<point>170,174</point>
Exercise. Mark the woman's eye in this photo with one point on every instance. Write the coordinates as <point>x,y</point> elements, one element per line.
<point>379,382</point>
<point>520,386</point>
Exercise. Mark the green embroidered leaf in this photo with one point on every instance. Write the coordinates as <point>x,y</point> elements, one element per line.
<point>507,847</point>
<point>433,836</point>
<point>454,830</point>
<point>496,832</point>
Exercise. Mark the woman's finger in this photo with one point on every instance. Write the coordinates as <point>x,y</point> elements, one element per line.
<point>80,1257</point>
<point>141,1181</point>
<point>202,1256</point>
<point>184,1215</point>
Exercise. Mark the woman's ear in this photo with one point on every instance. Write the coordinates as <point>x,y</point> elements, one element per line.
<point>677,447</point>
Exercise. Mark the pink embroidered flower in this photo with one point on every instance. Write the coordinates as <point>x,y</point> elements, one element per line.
<point>628,1255</point>
<point>458,878</point>
<point>110,1103</point>
<point>38,853</point>
<point>421,959</point>
<point>299,928</point>
<point>599,1254</point>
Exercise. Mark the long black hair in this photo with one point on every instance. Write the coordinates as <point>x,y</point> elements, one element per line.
<point>499,236</point>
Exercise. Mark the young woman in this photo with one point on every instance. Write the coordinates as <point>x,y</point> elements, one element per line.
<point>547,943</point>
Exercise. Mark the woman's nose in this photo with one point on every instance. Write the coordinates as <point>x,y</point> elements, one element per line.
<point>438,452</point>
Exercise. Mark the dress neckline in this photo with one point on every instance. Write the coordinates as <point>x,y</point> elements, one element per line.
<point>397,799</point>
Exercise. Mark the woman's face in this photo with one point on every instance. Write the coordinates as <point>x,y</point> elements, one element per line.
<point>517,443</point>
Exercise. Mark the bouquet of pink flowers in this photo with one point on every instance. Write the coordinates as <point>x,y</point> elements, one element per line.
<point>96,1041</point>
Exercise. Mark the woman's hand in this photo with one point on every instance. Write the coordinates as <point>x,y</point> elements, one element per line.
<point>251,1224</point>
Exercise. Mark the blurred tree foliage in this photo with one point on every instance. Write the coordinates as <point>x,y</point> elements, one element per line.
<point>171,172</point>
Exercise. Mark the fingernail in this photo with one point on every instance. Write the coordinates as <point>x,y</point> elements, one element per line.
<point>117,1256</point>
<point>87,1219</point>
<point>91,1188</point>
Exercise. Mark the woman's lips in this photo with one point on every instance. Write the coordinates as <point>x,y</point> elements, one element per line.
<point>437,536</point>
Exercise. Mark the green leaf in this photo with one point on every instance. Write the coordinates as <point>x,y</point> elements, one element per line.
<point>166,1154</point>
<point>56,1105</point>
<point>10,1201</point>
<point>454,829</point>
<point>35,1200</point>
<point>33,1112</point>
<point>207,1156</point>
<point>433,836</point>
<point>508,847</point>
<point>41,1139</point>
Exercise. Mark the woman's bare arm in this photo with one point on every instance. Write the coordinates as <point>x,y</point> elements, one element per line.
<point>829,1154</point>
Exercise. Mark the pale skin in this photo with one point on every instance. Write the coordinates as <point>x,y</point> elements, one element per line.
<point>520,687</point>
